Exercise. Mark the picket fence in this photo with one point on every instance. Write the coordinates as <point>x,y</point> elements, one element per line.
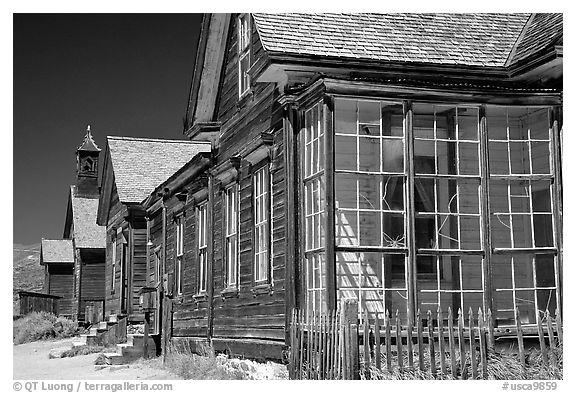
<point>335,345</point>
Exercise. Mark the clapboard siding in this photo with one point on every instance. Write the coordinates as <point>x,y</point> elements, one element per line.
<point>60,283</point>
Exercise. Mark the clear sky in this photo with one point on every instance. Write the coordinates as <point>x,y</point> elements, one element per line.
<point>124,74</point>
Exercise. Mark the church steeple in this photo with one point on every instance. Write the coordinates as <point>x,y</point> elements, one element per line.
<point>87,166</point>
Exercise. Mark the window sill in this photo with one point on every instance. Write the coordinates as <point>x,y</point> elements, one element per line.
<point>243,100</point>
<point>200,297</point>
<point>262,289</point>
<point>229,293</point>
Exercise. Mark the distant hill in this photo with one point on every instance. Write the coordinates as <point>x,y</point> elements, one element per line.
<point>28,275</point>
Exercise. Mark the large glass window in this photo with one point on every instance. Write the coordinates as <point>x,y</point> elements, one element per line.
<point>231,235</point>
<point>314,209</point>
<point>261,186</point>
<point>525,270</point>
<point>451,172</point>
<point>370,194</point>
<point>447,207</point>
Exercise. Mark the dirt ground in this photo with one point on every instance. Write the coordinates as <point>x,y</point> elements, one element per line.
<point>31,362</point>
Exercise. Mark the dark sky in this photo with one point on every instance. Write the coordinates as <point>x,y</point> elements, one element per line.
<point>124,74</point>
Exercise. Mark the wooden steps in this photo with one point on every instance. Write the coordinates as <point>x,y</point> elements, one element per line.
<point>131,350</point>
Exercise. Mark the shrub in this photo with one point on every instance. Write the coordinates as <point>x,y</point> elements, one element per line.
<point>82,350</point>
<point>209,366</point>
<point>41,326</point>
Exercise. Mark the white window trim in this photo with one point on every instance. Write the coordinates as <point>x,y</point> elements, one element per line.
<point>202,246</point>
<point>243,52</point>
<point>179,253</point>
<point>263,196</point>
<point>234,215</point>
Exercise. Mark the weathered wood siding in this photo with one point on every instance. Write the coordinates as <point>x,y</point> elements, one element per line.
<point>137,263</point>
<point>115,220</point>
<point>91,278</point>
<point>60,283</point>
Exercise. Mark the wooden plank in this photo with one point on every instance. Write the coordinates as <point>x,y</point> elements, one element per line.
<point>461,344</point>
<point>472,344</point>
<point>330,203</point>
<point>388,339</point>
<point>490,327</point>
<point>483,347</point>
<point>431,345</point>
<point>559,327</point>
<point>551,355</point>
<point>301,346</point>
<point>377,342</point>
<point>366,332</point>
<point>399,349</point>
<point>441,343</point>
<point>520,338</point>
<point>451,343</point>
<point>542,339</point>
<point>420,341</point>
<point>409,348</point>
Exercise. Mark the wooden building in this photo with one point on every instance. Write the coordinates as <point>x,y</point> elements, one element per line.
<point>408,161</point>
<point>88,239</point>
<point>57,257</point>
<point>132,168</point>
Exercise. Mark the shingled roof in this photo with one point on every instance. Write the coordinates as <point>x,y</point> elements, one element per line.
<point>140,164</point>
<point>56,251</point>
<point>542,31</point>
<point>87,234</point>
<point>454,39</point>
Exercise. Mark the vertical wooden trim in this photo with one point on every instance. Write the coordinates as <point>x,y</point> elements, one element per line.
<point>410,210</point>
<point>331,295</point>
<point>129,268</point>
<point>291,220</point>
<point>299,270</point>
<point>163,264</point>
<point>485,209</point>
<point>209,256</point>
<point>555,116</point>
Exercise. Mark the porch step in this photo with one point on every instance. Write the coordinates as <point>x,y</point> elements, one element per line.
<point>131,350</point>
<point>113,358</point>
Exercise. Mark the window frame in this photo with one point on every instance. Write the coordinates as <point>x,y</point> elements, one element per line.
<point>234,215</point>
<point>113,259</point>
<point>265,223</point>
<point>244,52</point>
<point>179,225</point>
<point>202,246</point>
<point>466,247</point>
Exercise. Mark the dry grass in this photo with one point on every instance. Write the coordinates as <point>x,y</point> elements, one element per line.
<point>208,366</point>
<point>501,365</point>
<point>83,350</point>
<point>42,326</point>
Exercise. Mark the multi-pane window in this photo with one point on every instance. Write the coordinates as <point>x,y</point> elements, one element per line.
<point>231,235</point>
<point>202,231</point>
<point>441,242</point>
<point>314,209</point>
<point>261,184</point>
<point>447,204</point>
<point>113,287</point>
<point>244,36</point>
<point>370,204</point>
<point>521,206</point>
<point>179,253</point>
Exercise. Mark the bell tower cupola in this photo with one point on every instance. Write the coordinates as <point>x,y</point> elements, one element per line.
<point>87,166</point>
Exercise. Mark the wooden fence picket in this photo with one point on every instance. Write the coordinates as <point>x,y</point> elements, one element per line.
<point>399,344</point>
<point>461,344</point>
<point>327,345</point>
<point>472,332</point>
<point>551,355</point>
<point>451,343</point>
<point>520,337</point>
<point>388,343</point>
<point>483,344</point>
<point>420,341</point>
<point>378,361</point>
<point>431,344</point>
<point>441,343</point>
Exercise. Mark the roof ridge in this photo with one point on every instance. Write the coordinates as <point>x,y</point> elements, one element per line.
<point>139,139</point>
<point>519,39</point>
